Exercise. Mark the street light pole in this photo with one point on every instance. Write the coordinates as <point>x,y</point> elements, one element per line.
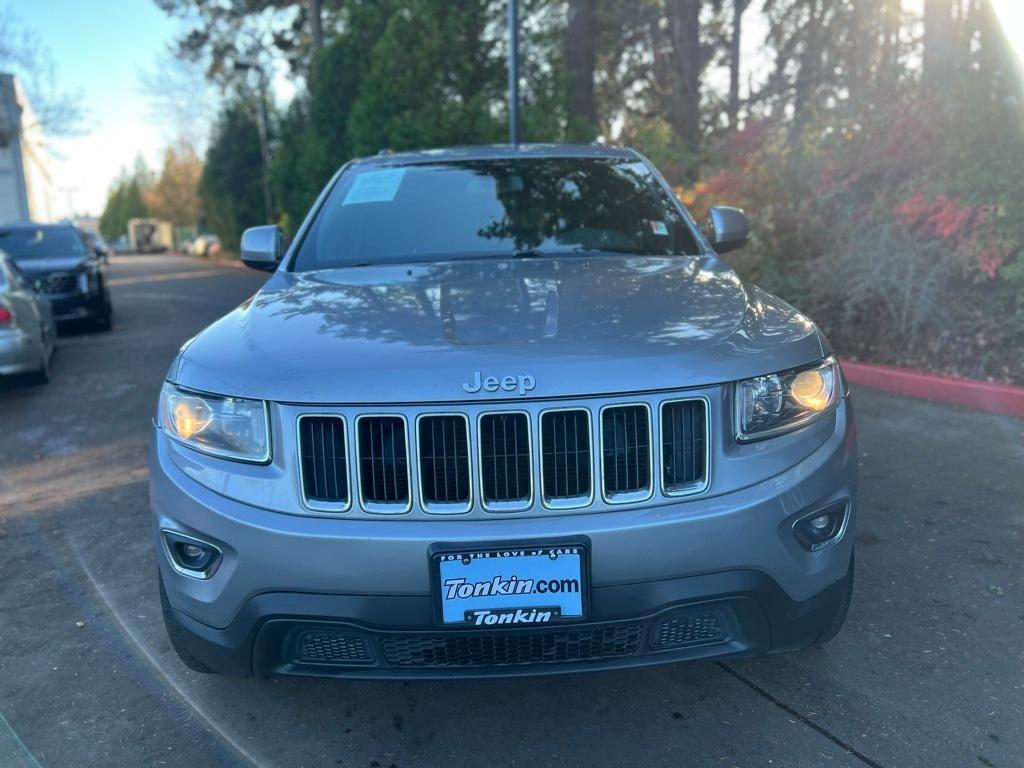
<point>264,130</point>
<point>513,72</point>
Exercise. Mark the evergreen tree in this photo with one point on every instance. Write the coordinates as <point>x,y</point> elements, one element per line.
<point>230,187</point>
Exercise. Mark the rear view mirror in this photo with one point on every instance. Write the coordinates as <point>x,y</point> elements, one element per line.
<point>262,247</point>
<point>729,228</point>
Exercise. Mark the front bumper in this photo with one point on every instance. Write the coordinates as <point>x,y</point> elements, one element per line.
<point>724,573</point>
<point>69,307</point>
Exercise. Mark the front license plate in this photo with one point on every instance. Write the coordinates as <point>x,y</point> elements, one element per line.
<point>512,587</point>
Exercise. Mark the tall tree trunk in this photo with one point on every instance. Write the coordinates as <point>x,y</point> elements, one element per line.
<point>688,60</point>
<point>579,55</point>
<point>998,64</point>
<point>939,40</point>
<point>316,30</point>
<point>808,75</point>
<point>891,11</point>
<point>738,7</point>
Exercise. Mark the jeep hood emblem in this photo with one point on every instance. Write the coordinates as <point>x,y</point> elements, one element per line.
<point>521,383</point>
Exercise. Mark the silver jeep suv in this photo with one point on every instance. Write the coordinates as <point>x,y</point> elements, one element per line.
<point>501,411</point>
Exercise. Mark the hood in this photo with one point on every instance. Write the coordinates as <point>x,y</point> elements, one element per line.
<point>48,264</point>
<point>433,332</point>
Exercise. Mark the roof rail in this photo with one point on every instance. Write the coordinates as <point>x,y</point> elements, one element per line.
<point>385,151</point>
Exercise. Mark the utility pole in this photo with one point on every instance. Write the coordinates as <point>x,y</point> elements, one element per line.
<point>513,72</point>
<point>315,25</point>
<point>263,128</point>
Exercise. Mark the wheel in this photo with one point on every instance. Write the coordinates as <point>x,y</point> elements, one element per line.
<point>106,320</point>
<point>842,609</point>
<point>174,634</point>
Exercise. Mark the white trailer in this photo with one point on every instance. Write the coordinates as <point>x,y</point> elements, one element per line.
<point>150,236</point>
<point>26,186</point>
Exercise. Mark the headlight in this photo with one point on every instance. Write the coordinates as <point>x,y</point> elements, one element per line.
<point>229,427</point>
<point>780,402</point>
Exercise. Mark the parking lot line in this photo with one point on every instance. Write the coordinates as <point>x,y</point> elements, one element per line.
<point>13,751</point>
<point>135,641</point>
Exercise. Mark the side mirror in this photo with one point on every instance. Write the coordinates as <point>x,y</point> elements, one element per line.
<point>729,227</point>
<point>262,247</point>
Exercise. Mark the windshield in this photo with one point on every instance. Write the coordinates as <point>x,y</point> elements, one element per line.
<point>40,242</point>
<point>497,207</point>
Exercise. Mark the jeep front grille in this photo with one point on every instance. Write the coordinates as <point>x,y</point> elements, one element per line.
<point>444,462</point>
<point>565,457</point>
<point>383,463</point>
<point>581,456</point>
<point>323,455</point>
<point>626,452</point>
<point>505,466</point>
<point>683,445</point>
<point>57,283</point>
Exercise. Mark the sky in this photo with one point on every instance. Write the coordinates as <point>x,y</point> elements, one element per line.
<point>100,47</point>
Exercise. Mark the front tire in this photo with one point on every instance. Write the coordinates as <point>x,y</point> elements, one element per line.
<point>176,635</point>
<point>105,321</point>
<point>42,374</point>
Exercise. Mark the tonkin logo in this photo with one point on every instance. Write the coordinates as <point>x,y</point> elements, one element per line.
<point>521,383</point>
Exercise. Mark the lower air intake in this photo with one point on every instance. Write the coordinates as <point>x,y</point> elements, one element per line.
<point>510,649</point>
<point>689,629</point>
<point>332,648</point>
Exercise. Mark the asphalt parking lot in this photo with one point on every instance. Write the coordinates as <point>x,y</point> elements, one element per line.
<point>929,670</point>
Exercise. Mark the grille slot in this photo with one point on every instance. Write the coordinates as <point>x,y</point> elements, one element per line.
<point>565,457</point>
<point>684,446</point>
<point>323,453</point>
<point>444,463</point>
<point>332,648</point>
<point>383,463</point>
<point>505,466</point>
<point>510,649</point>
<point>626,452</point>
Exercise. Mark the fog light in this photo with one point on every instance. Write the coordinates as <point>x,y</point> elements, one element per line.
<point>822,528</point>
<point>191,557</point>
<point>193,554</point>
<point>820,523</point>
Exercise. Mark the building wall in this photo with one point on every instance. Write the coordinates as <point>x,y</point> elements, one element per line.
<point>26,183</point>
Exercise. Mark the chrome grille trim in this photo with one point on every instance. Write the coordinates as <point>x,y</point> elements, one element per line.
<point>642,494</point>
<point>567,502</point>
<point>698,486</point>
<point>377,507</point>
<point>291,500</point>
<point>497,505</point>
<point>307,498</point>
<point>444,508</point>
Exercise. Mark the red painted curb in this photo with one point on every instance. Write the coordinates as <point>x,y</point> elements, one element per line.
<point>997,398</point>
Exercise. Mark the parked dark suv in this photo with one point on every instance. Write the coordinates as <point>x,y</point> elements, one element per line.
<point>63,267</point>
